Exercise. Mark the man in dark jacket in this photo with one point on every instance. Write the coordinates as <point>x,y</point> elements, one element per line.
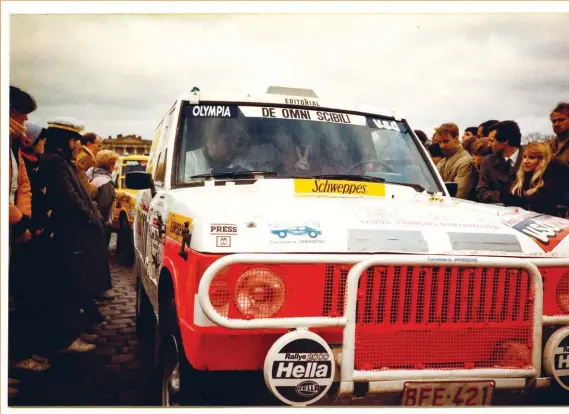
<point>72,240</point>
<point>560,145</point>
<point>499,168</point>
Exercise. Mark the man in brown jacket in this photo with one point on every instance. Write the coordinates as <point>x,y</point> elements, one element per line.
<point>85,159</point>
<point>457,165</point>
<point>560,124</point>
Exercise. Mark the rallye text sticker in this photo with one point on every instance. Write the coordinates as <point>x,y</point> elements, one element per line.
<point>175,224</point>
<point>315,187</point>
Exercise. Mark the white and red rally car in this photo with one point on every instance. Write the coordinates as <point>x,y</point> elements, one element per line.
<point>316,246</point>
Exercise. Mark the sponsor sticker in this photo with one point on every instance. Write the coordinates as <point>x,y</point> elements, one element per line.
<point>302,115</point>
<point>342,188</point>
<point>299,368</point>
<point>223,241</point>
<point>556,356</point>
<point>546,231</point>
<point>457,259</point>
<point>307,232</point>
<point>384,124</point>
<point>301,101</point>
<point>175,224</point>
<point>212,111</point>
<point>223,229</point>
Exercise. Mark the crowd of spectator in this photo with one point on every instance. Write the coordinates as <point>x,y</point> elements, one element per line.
<point>490,165</point>
<point>60,201</point>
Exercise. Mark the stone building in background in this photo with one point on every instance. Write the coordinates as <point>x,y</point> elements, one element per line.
<point>130,144</point>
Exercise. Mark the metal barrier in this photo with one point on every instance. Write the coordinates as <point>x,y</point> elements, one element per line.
<point>348,320</point>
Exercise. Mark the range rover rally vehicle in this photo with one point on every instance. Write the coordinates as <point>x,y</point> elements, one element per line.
<point>317,247</point>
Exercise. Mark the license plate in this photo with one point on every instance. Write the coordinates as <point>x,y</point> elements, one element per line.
<point>447,393</point>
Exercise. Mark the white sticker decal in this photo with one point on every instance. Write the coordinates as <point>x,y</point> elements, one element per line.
<point>223,241</point>
<point>382,124</point>
<point>302,114</point>
<point>299,368</point>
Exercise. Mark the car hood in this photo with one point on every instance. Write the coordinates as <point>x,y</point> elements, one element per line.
<point>277,215</point>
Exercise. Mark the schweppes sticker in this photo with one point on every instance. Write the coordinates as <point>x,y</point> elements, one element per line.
<point>175,224</point>
<point>340,188</point>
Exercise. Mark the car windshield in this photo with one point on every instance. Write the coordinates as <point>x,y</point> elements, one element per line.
<point>133,165</point>
<point>295,142</point>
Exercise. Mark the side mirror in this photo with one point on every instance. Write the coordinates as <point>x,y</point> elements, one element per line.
<point>139,180</point>
<point>452,188</point>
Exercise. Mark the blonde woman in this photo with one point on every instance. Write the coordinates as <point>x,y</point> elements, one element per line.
<point>539,181</point>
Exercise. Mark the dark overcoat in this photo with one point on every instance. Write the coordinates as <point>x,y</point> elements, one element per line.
<point>72,244</point>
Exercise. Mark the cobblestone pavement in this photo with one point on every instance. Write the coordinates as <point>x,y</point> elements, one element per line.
<point>116,373</point>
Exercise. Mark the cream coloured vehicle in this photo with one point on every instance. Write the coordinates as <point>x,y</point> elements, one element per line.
<point>313,248</point>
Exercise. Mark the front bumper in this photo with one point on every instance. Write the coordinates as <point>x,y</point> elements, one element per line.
<point>351,380</point>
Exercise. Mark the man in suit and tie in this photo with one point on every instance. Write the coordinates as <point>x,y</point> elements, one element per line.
<point>499,168</point>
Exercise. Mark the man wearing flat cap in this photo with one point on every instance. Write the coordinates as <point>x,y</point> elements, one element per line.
<point>73,240</point>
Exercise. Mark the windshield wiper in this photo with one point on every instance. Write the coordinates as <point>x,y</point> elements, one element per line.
<point>234,174</point>
<point>353,177</point>
<point>417,187</point>
<point>349,177</point>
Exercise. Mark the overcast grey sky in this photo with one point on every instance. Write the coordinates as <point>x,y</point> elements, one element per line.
<point>120,73</point>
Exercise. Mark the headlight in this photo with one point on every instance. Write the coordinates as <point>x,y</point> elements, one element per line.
<point>259,293</point>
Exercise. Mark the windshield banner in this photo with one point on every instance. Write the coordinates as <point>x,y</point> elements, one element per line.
<point>302,115</point>
<point>316,188</point>
<point>211,111</point>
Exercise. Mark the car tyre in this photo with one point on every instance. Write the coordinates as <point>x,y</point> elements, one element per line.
<point>282,234</point>
<point>179,381</point>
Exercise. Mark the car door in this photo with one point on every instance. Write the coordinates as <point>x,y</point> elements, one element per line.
<point>156,214</point>
<point>156,222</point>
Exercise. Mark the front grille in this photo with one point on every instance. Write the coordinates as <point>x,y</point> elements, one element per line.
<point>416,317</point>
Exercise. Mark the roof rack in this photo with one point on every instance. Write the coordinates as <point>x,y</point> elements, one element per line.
<point>283,90</point>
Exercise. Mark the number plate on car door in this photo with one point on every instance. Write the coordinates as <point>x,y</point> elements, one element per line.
<point>447,393</point>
